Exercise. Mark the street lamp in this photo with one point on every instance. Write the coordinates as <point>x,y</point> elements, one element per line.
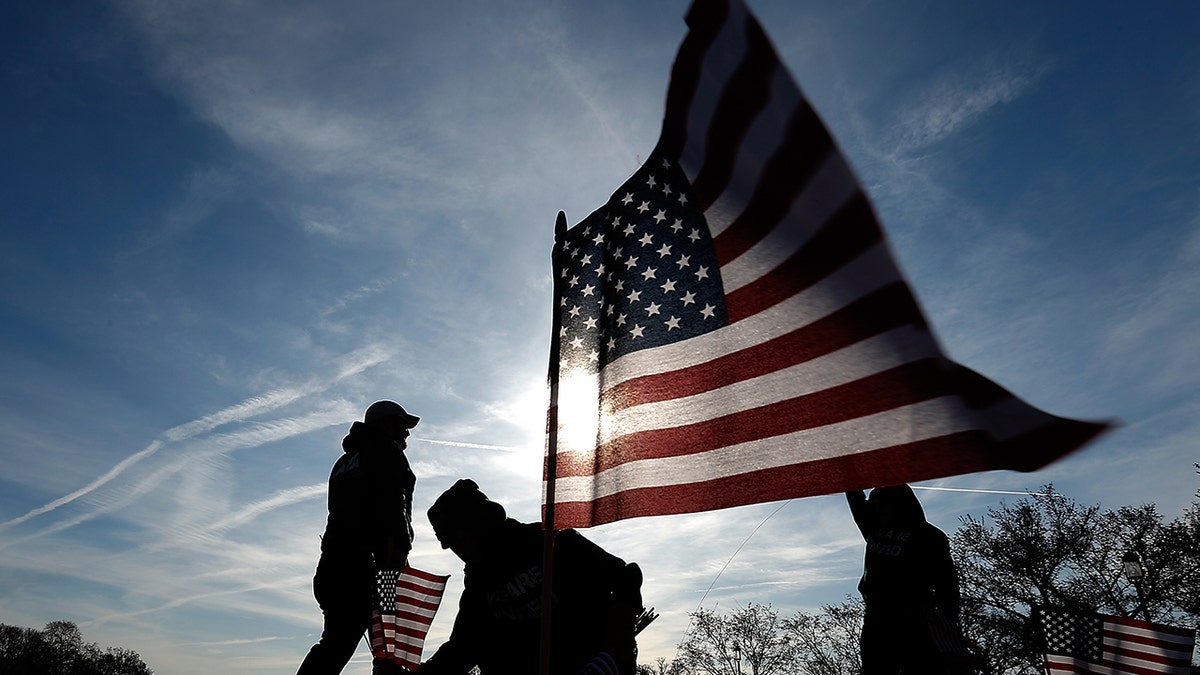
<point>1134,572</point>
<point>1133,567</point>
<point>737,655</point>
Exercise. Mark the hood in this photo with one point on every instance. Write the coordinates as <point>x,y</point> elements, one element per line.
<point>896,503</point>
<point>366,438</point>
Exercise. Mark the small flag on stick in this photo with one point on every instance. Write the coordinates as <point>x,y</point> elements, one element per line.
<point>407,603</point>
<point>731,328</point>
<point>1078,643</point>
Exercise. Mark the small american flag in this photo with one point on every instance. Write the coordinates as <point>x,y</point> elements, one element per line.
<point>731,328</point>
<point>407,602</point>
<point>1110,645</point>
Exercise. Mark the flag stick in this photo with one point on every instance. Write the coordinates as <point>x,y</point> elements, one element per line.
<point>560,232</point>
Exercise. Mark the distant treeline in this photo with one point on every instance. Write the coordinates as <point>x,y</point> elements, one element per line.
<point>59,649</point>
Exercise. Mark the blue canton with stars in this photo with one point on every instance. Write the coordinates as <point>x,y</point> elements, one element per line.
<point>1076,635</point>
<point>639,272</point>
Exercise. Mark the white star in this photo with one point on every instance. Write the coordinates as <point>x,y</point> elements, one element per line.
<point>628,198</point>
<point>648,274</point>
<point>646,239</point>
<point>562,332</point>
<point>612,343</point>
<point>577,342</point>
<point>688,298</point>
<point>600,270</point>
<point>643,207</point>
<point>684,261</point>
<point>620,319</point>
<point>672,323</point>
<point>664,251</point>
<point>574,280</point>
<point>653,309</point>
<point>636,331</point>
<point>575,311</point>
<point>629,230</point>
<point>666,163</point>
<point>708,311</point>
<point>702,273</point>
<point>616,221</point>
<point>682,198</point>
<point>590,323</point>
<point>650,181</point>
<point>594,356</point>
<point>677,225</point>
<point>609,310</point>
<point>660,216</point>
<point>599,238</point>
<point>669,286</point>
<point>588,290</point>
<point>634,296</point>
<point>587,260</point>
<point>620,285</point>
<point>666,189</point>
<point>631,262</point>
<point>695,235</point>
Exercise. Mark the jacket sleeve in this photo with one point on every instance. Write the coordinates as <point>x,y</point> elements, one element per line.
<point>945,581</point>
<point>391,490</point>
<point>861,512</point>
<point>456,656</point>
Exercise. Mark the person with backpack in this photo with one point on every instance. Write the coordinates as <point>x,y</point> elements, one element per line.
<point>596,596</point>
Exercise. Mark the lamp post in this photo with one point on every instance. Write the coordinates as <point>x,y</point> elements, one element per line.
<point>737,655</point>
<point>1132,563</point>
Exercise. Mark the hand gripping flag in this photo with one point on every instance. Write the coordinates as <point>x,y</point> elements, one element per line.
<point>1082,643</point>
<point>407,602</point>
<point>731,329</point>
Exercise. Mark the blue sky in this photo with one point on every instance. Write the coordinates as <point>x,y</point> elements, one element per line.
<point>227,227</point>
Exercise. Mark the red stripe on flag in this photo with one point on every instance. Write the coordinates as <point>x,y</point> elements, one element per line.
<point>878,312</point>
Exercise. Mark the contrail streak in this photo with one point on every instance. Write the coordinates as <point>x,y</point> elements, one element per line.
<point>108,476</point>
<point>474,446</point>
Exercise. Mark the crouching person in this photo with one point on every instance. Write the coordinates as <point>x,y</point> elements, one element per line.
<point>596,595</point>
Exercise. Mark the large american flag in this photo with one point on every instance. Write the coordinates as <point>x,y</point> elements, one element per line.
<point>407,602</point>
<point>1086,643</point>
<point>731,328</point>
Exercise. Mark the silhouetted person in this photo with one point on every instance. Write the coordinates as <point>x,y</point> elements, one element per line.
<point>907,575</point>
<point>369,529</point>
<point>597,596</point>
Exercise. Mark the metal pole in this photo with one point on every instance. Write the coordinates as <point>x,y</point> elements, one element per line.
<point>560,231</point>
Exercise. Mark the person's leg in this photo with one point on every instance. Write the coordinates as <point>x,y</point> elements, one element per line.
<point>346,604</point>
<point>337,645</point>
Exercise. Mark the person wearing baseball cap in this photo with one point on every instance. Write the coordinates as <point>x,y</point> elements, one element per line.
<point>369,529</point>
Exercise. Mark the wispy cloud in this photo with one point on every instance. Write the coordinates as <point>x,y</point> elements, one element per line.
<point>187,444</point>
<point>962,99</point>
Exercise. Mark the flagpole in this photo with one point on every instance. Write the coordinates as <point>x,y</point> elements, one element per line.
<point>560,232</point>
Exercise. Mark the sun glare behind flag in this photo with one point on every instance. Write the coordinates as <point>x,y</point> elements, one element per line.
<point>1082,643</point>
<point>731,328</point>
<point>399,626</point>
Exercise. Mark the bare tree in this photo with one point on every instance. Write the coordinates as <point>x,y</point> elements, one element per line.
<point>827,641</point>
<point>749,638</point>
<point>59,649</point>
<point>1048,549</point>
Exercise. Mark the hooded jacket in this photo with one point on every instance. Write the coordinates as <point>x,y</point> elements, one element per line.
<point>498,626</point>
<point>907,566</point>
<point>370,501</point>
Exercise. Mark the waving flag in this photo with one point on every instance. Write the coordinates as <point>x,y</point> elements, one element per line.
<point>731,328</point>
<point>1078,643</point>
<point>407,602</point>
